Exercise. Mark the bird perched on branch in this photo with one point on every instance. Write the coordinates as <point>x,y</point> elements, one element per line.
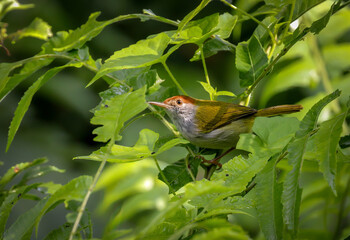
<point>215,124</point>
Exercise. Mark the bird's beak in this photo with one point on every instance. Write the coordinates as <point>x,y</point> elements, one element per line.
<point>159,104</point>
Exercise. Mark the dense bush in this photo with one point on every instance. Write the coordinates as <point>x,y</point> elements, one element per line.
<point>289,179</point>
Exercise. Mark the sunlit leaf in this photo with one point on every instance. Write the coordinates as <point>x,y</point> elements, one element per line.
<point>226,24</point>
<point>77,38</point>
<point>143,148</point>
<point>208,88</point>
<point>23,105</point>
<point>10,5</point>
<point>141,54</point>
<point>5,70</point>
<point>155,198</point>
<point>192,14</point>
<point>27,70</point>
<point>38,28</point>
<point>112,114</point>
<point>251,60</point>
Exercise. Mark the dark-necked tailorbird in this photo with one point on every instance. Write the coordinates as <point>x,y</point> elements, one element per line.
<point>215,124</point>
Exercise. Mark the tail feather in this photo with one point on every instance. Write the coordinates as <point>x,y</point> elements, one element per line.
<point>278,110</point>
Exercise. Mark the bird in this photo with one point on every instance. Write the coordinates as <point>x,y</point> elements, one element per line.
<point>215,124</point>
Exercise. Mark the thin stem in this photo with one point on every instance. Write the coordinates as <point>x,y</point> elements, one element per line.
<point>86,198</point>
<point>290,18</point>
<point>163,176</point>
<point>253,18</point>
<point>165,122</point>
<point>173,78</point>
<point>271,64</point>
<point>91,68</point>
<point>205,69</point>
<point>188,168</point>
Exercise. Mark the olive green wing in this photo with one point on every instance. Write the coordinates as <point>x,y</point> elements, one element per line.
<point>218,114</point>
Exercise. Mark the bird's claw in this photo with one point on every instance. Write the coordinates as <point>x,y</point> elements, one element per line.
<point>213,161</point>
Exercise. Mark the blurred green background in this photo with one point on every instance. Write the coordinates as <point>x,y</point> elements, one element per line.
<point>57,123</point>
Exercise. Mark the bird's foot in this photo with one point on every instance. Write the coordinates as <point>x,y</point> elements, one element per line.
<point>214,161</point>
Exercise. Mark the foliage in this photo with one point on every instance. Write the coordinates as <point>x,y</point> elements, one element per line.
<point>291,175</point>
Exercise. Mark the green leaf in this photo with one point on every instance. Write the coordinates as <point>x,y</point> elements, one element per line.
<point>23,226</point>
<point>18,168</point>
<point>124,180</point>
<point>170,144</point>
<point>239,171</point>
<point>177,174</point>
<point>114,112</point>
<point>141,54</point>
<point>233,232</point>
<point>196,31</point>
<point>321,23</point>
<point>142,149</point>
<point>271,135</point>
<point>62,232</point>
<point>309,122</point>
<point>251,60</point>
<point>302,7</point>
<point>149,78</point>
<point>155,198</point>
<point>5,70</point>
<point>277,3</point>
<point>225,93</point>
<point>268,201</point>
<point>39,171</point>
<point>77,38</point>
<point>27,70</point>
<point>291,195</point>
<point>38,28</point>
<point>208,88</point>
<point>23,105</point>
<point>192,14</point>
<point>323,145</point>
<point>212,47</point>
<point>226,24</point>
<point>10,5</point>
<point>9,202</point>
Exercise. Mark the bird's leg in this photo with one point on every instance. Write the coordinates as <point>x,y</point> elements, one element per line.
<point>216,160</point>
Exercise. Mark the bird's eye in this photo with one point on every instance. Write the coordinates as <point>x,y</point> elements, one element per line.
<point>178,102</point>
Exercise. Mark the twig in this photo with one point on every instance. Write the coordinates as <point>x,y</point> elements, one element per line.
<point>163,176</point>
<point>86,198</point>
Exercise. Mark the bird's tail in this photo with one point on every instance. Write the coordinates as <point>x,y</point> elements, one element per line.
<point>278,110</point>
